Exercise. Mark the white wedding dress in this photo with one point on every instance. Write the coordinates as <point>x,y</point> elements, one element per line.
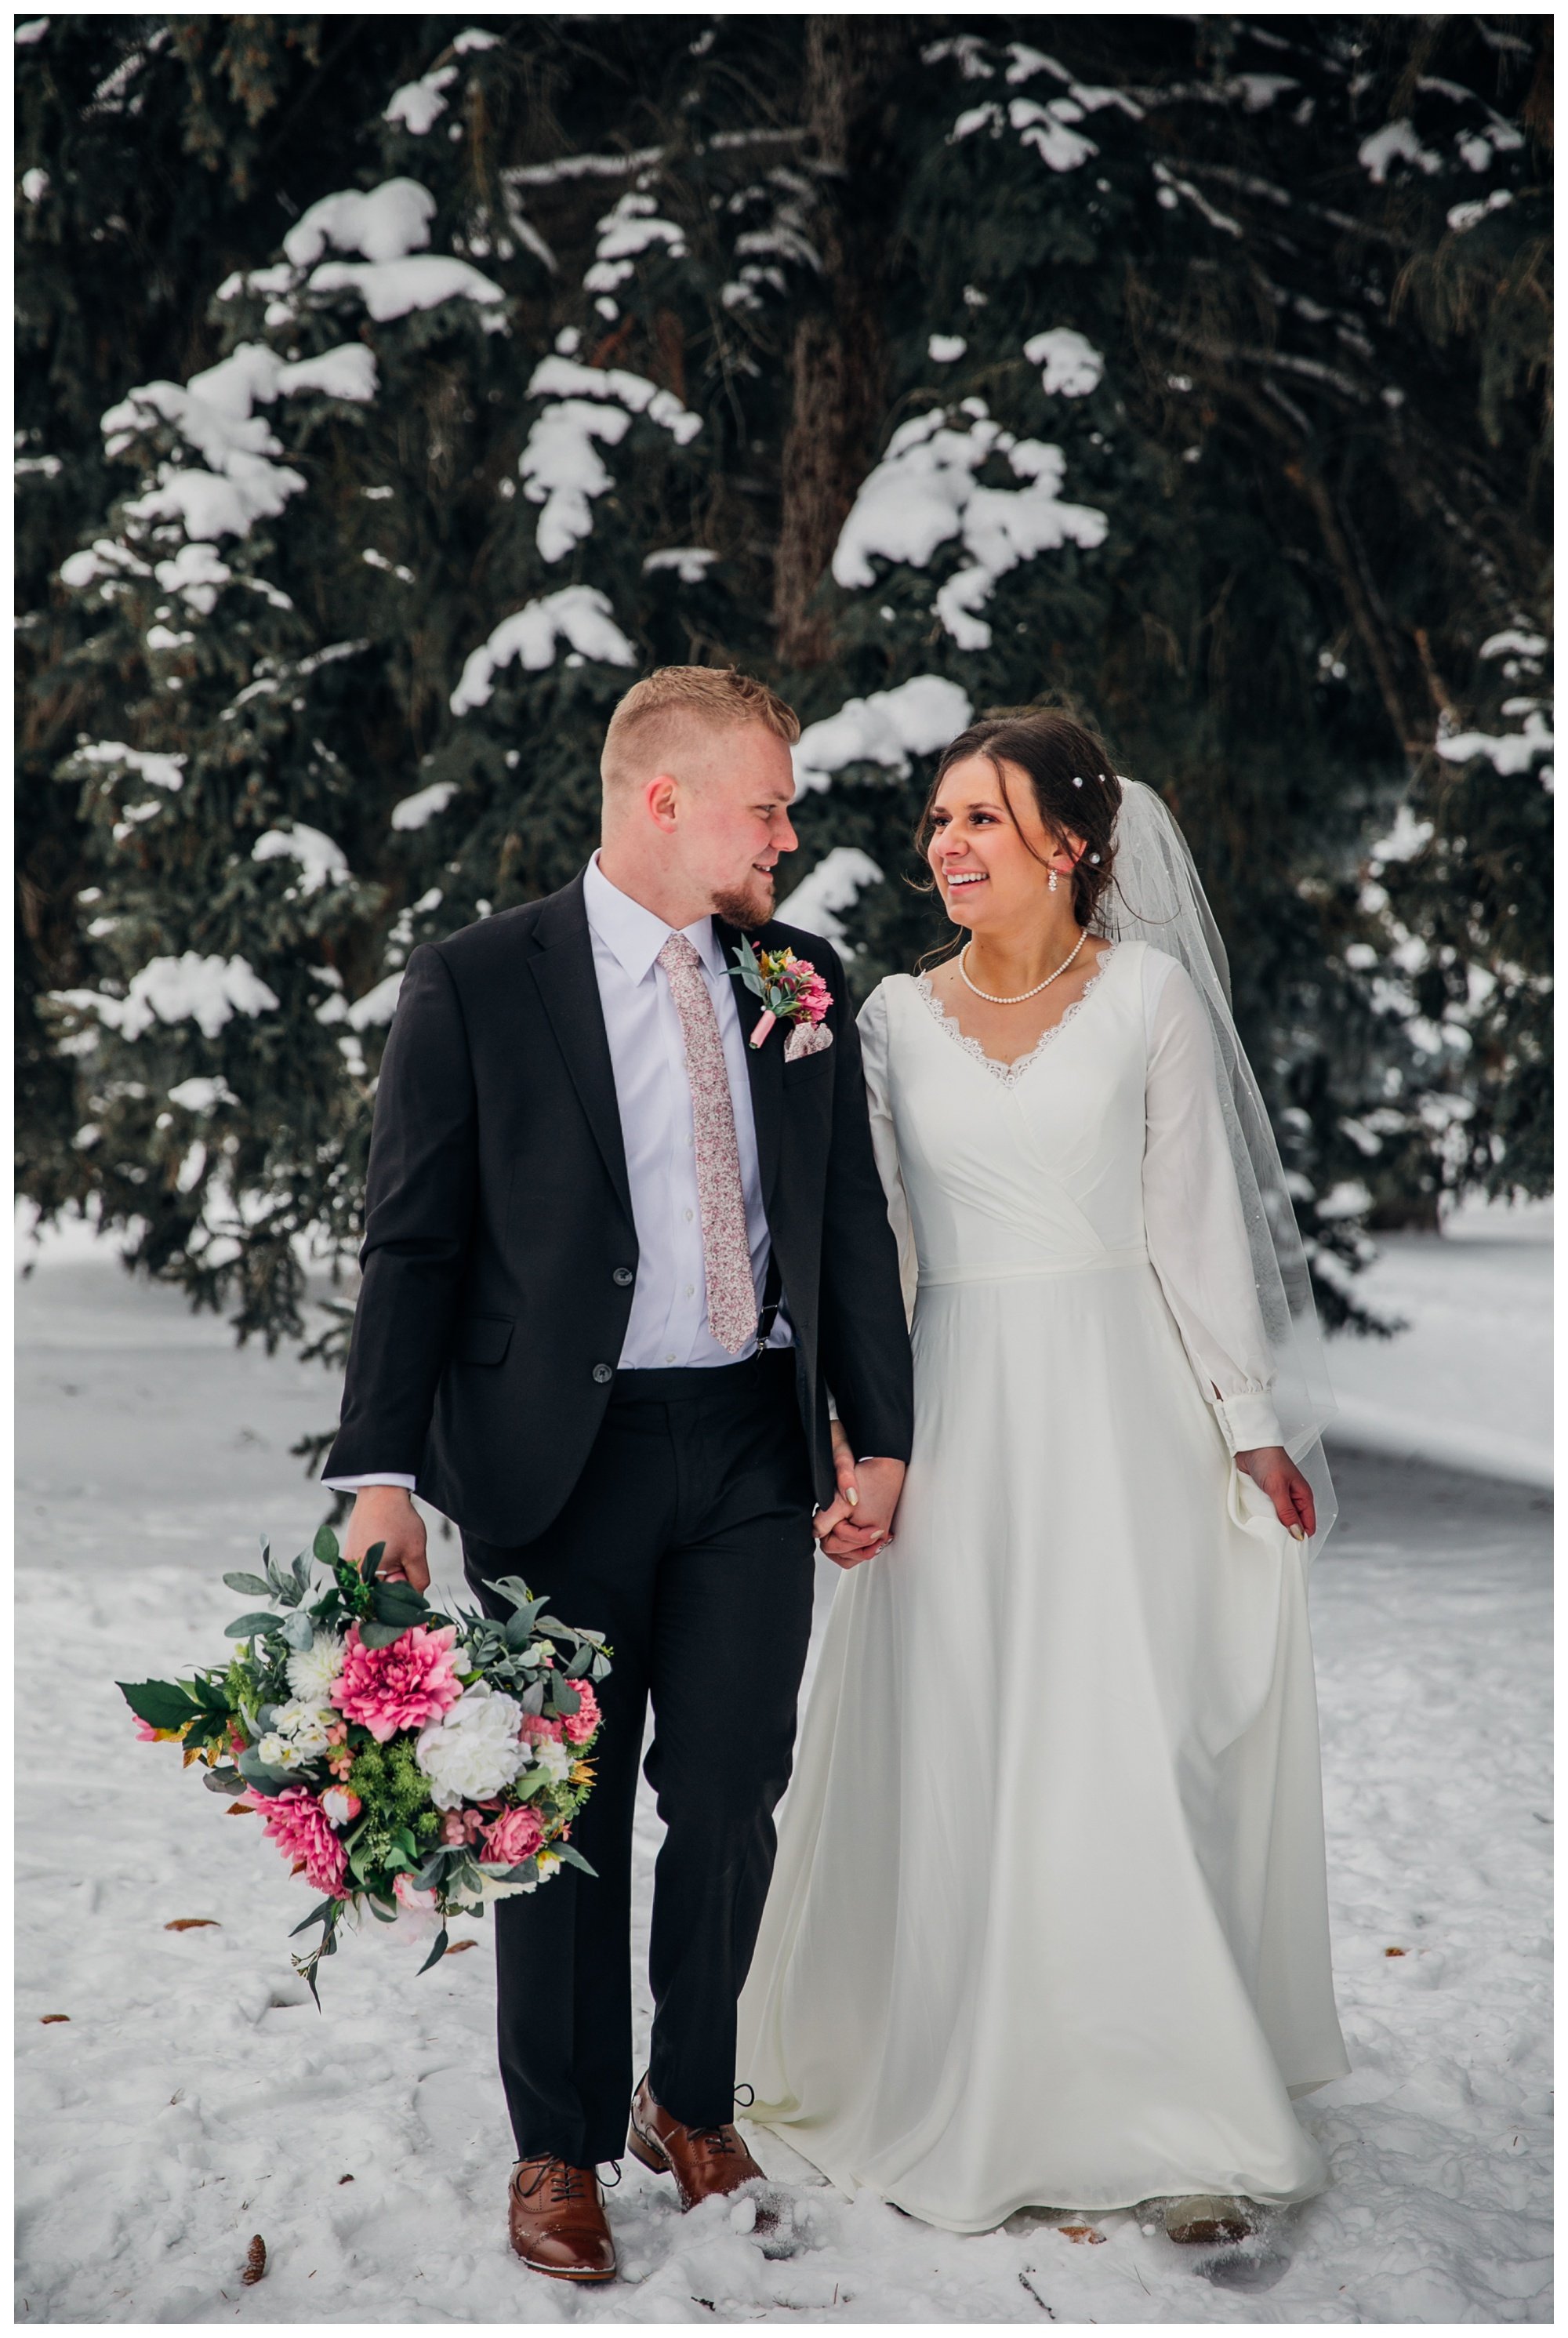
<point>1048,1924</point>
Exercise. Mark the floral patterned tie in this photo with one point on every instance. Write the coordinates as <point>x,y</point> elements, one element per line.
<point>726,1249</point>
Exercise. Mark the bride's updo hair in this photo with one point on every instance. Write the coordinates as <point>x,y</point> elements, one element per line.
<point>1073,781</point>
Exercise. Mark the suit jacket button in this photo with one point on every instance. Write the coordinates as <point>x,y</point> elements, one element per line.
<point>624,1275</point>
<point>603,1372</point>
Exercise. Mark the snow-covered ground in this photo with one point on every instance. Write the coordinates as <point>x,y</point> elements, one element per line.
<point>194,2097</point>
<point>1468,1382</point>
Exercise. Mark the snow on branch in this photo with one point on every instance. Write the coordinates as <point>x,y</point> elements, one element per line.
<point>1073,365</point>
<point>560,465</point>
<point>208,991</point>
<point>632,226</point>
<point>923,494</point>
<point>836,883</point>
<point>237,482</point>
<point>388,227</point>
<point>321,862</point>
<point>580,614</point>
<point>887,728</point>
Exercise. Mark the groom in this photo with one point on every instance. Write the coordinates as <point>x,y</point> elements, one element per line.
<point>615,1257</point>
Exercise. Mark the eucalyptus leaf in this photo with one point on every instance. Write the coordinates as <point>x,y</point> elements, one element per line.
<point>437,1953</point>
<point>513,1588</point>
<point>526,1872</point>
<point>318,1915</point>
<point>532,1699</point>
<point>563,1850</point>
<point>254,1585</point>
<point>371,1561</point>
<point>252,1625</point>
<point>224,1781</point>
<point>380,1636</point>
<point>300,1631</point>
<point>326,1546</point>
<point>563,1698</point>
<point>580,1662</point>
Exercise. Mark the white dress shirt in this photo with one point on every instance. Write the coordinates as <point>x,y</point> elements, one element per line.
<point>668,1319</point>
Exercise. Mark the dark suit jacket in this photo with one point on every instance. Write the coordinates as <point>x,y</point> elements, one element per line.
<point>500,1255</point>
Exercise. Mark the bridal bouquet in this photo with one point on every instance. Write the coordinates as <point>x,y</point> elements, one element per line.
<point>404,1761</point>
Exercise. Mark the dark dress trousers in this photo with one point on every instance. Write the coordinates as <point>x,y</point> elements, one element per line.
<point>669,1509</point>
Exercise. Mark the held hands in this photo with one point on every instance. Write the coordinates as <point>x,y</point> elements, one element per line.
<point>1271,1467</point>
<point>859,1522</point>
<point>386,1514</point>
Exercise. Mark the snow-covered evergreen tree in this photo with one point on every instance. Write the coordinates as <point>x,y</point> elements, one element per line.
<point>1190,369</point>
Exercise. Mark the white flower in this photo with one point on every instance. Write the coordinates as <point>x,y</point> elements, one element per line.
<point>548,1862</point>
<point>473,1748</point>
<point>313,1670</point>
<point>279,1753</point>
<point>304,1725</point>
<point>490,1887</point>
<point>553,1758</point>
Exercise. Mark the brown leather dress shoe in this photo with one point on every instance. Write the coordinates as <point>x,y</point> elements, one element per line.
<point>703,2160</point>
<point>556,2216</point>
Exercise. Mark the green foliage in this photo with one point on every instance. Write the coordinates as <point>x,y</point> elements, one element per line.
<point>695,265</point>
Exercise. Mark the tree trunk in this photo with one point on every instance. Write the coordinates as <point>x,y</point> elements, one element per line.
<point>838,361</point>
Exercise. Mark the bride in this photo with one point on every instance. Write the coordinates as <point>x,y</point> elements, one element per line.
<point>1048,1925</point>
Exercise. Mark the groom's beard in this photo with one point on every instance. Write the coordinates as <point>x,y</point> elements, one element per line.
<point>747,906</point>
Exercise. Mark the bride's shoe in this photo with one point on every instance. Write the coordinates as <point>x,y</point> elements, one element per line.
<point>1208,2219</point>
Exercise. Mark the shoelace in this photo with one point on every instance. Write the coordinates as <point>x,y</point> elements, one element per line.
<point>566,2183</point>
<point>723,2141</point>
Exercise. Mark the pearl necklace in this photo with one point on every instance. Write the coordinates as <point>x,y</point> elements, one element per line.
<point>990,997</point>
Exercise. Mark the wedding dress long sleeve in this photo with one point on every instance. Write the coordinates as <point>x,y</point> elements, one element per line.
<point>1048,1925</point>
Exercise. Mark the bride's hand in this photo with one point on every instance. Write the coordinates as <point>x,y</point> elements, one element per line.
<point>1271,1467</point>
<point>848,1496</point>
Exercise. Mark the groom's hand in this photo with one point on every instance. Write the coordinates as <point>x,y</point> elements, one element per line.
<point>849,1535</point>
<point>385,1514</point>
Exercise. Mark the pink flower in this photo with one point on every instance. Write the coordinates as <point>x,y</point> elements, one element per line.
<point>303,1833</point>
<point>536,1726</point>
<point>816,998</point>
<point>416,1902</point>
<point>514,1837</point>
<point>461,1826</point>
<point>145,1731</point>
<point>579,1726</point>
<point>340,1805</point>
<point>399,1687</point>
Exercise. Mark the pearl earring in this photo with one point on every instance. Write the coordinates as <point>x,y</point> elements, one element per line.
<point>1051,887</point>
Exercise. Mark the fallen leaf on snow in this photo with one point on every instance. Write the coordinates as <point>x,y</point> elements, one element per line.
<point>1080,2233</point>
<point>53,2016</point>
<point>1395,1953</point>
<point>192,1924</point>
<point>457,1948</point>
<point>255,2261</point>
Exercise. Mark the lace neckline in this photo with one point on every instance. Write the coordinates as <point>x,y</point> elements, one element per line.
<point>1011,1074</point>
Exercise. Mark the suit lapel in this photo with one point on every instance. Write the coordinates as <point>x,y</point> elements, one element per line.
<point>563,966</point>
<point>764,1066</point>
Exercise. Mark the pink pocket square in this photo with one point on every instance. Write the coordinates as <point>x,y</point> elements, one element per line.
<point>807,1039</point>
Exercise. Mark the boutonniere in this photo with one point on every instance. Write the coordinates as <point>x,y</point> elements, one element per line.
<point>791,991</point>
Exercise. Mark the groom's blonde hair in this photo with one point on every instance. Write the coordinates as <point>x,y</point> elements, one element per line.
<point>657,713</point>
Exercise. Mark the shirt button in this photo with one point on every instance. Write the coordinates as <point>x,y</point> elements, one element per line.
<point>691,1290</point>
<point>669,1360</point>
<point>603,1372</point>
<point>688,1216</point>
<point>623,1276</point>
